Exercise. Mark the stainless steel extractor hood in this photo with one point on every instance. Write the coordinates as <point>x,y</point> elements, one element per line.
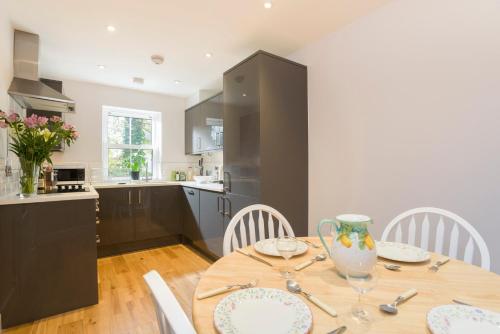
<point>26,88</point>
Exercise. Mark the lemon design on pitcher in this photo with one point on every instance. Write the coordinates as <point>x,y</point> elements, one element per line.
<point>344,232</point>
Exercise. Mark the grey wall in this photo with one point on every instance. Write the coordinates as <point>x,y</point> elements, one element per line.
<point>405,111</point>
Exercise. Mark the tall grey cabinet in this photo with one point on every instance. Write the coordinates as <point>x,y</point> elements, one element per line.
<point>266,137</point>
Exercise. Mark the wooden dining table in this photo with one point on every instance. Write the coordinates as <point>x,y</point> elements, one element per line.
<point>454,280</point>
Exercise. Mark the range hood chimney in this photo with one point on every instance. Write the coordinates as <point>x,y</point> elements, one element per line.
<point>26,88</point>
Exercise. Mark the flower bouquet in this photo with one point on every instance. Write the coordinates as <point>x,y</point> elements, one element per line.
<point>33,139</point>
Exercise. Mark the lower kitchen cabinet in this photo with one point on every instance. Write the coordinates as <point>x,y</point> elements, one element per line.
<point>211,222</point>
<point>136,218</point>
<point>191,221</point>
<point>157,213</point>
<point>116,224</point>
<point>48,259</point>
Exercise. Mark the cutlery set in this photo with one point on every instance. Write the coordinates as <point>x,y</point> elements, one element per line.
<point>294,287</point>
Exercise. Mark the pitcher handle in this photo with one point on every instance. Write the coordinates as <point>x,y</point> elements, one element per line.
<point>321,223</point>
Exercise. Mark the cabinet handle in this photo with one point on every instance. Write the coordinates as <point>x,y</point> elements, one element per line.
<point>218,205</point>
<point>191,192</point>
<point>228,212</point>
<point>97,221</point>
<point>97,239</point>
<point>129,197</point>
<point>227,181</point>
<point>140,192</point>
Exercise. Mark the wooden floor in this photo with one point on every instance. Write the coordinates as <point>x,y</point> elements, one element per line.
<point>125,305</point>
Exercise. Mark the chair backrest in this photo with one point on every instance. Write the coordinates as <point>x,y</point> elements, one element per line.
<point>442,226</point>
<point>268,219</point>
<point>171,317</point>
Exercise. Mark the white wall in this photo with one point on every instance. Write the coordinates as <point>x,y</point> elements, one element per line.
<point>407,100</point>
<point>90,98</point>
<point>6,71</point>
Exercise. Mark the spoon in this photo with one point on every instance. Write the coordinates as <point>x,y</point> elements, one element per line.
<point>393,308</point>
<point>319,257</point>
<point>393,267</point>
<point>294,287</point>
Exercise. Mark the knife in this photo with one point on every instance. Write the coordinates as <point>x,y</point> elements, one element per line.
<point>253,257</point>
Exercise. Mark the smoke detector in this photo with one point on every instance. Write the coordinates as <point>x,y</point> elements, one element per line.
<point>138,80</point>
<point>157,59</point>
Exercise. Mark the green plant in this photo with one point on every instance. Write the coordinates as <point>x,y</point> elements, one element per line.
<point>137,161</point>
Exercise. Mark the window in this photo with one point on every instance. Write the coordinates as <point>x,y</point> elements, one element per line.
<point>131,140</point>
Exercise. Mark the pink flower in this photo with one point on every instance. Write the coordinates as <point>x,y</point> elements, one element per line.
<point>55,119</point>
<point>12,117</point>
<point>42,121</point>
<point>75,134</point>
<point>31,122</point>
<point>67,126</point>
<point>3,125</point>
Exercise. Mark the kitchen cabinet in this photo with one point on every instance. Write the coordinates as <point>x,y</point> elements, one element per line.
<point>136,218</point>
<point>48,259</point>
<point>266,136</point>
<point>204,126</point>
<point>211,222</point>
<point>116,223</point>
<point>156,212</point>
<point>191,223</point>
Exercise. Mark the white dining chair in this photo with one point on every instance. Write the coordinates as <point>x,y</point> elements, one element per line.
<point>171,317</point>
<point>442,226</point>
<point>268,219</point>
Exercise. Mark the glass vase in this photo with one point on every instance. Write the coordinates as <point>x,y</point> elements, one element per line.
<point>28,179</point>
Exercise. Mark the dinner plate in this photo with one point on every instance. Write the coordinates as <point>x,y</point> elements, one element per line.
<point>401,252</point>
<point>461,319</point>
<point>262,310</point>
<point>268,247</point>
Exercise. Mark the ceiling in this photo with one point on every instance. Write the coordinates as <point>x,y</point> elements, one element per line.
<point>74,37</point>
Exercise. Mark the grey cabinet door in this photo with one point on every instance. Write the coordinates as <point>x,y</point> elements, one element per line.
<point>241,129</point>
<point>115,216</point>
<point>191,227</point>
<point>211,222</point>
<point>188,132</point>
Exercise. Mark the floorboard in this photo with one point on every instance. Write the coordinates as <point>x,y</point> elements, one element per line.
<point>125,305</point>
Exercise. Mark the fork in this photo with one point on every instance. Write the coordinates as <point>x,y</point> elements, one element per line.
<point>435,266</point>
<point>310,243</point>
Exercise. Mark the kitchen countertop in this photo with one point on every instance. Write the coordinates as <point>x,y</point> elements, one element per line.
<point>54,197</point>
<point>216,187</point>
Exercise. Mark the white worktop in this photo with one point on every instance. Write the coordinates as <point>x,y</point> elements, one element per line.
<point>54,197</point>
<point>204,186</point>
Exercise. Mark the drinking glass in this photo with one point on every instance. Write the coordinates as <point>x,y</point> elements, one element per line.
<point>286,247</point>
<point>362,280</point>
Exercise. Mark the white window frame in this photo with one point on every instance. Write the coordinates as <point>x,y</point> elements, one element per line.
<point>156,127</point>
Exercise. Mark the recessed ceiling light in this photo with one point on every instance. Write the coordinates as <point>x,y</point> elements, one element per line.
<point>268,4</point>
<point>208,55</point>
<point>177,82</point>
<point>157,59</point>
<point>138,80</point>
<point>111,28</point>
<point>101,67</point>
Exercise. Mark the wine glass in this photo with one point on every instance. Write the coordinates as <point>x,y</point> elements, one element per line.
<point>362,279</point>
<point>286,247</point>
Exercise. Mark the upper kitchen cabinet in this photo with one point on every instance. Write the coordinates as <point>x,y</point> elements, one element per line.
<point>266,136</point>
<point>204,126</point>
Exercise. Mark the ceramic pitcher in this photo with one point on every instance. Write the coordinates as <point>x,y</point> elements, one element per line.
<point>352,244</point>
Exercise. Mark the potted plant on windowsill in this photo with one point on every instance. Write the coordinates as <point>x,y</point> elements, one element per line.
<point>137,160</point>
<point>33,139</point>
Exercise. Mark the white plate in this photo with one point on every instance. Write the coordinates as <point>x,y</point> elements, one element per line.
<point>268,247</point>
<point>401,252</point>
<point>262,310</point>
<point>460,319</point>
